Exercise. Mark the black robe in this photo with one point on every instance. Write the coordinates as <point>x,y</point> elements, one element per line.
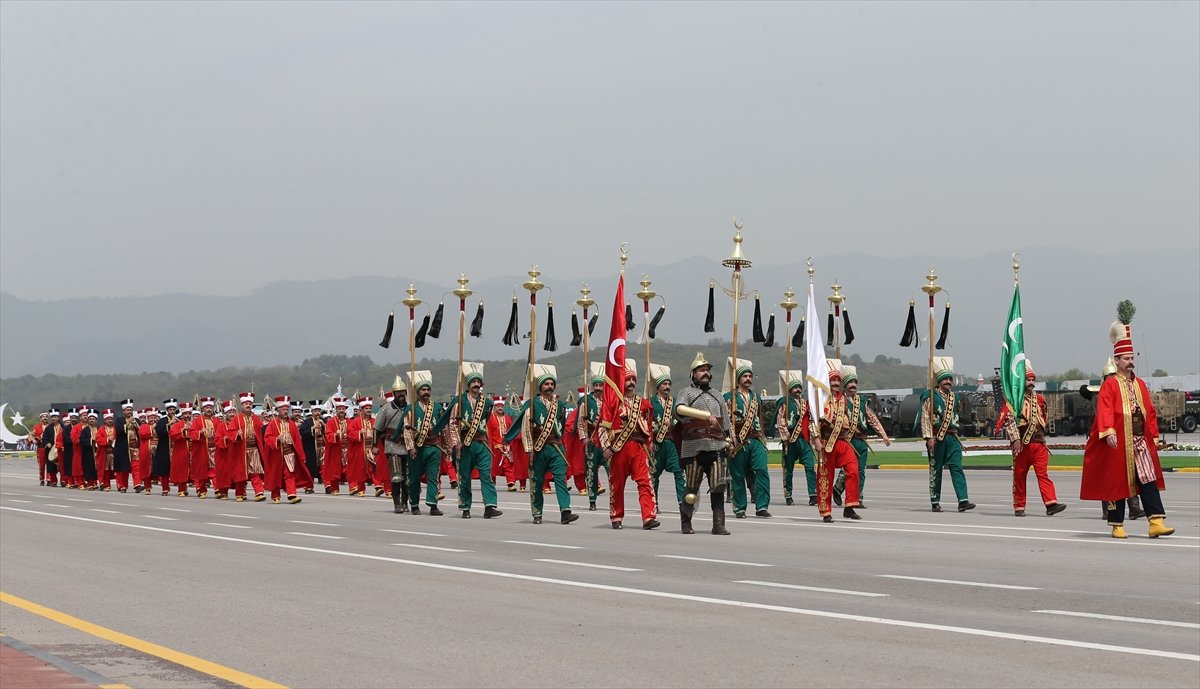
<point>48,444</point>
<point>161,465</point>
<point>310,447</point>
<point>120,448</point>
<point>87,454</point>
<point>68,461</point>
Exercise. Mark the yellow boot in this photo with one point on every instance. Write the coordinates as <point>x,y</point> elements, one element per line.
<point>1157,528</point>
<point>1118,531</point>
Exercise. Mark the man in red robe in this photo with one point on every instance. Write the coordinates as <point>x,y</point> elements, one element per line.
<point>284,453</point>
<point>204,433</point>
<point>1027,437</point>
<point>105,438</point>
<point>1120,459</point>
<point>626,440</point>
<point>179,431</point>
<point>502,462</point>
<point>35,436</point>
<point>245,448</point>
<point>337,447</point>
<point>361,430</point>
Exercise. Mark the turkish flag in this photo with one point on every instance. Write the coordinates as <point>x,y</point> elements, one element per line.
<point>614,364</point>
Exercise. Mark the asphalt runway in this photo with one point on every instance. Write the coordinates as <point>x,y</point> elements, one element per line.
<point>340,592</point>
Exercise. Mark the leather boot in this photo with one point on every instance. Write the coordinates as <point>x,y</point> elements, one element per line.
<point>567,517</point>
<point>491,512</point>
<point>718,510</point>
<point>685,517</point>
<point>1118,531</point>
<point>1157,528</point>
<point>1135,508</point>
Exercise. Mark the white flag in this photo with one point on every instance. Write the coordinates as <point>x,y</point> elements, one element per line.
<point>818,368</point>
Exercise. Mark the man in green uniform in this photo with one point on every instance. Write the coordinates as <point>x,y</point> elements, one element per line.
<point>862,420</point>
<point>420,439</point>
<point>792,425</point>
<point>939,428</point>
<point>468,417</point>
<point>587,422</point>
<point>666,455</point>
<point>540,425</point>
<point>745,407</point>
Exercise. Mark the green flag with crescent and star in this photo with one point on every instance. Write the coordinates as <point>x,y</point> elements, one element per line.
<point>1012,355</point>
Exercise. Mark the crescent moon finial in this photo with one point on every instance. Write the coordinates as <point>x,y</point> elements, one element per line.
<point>737,224</point>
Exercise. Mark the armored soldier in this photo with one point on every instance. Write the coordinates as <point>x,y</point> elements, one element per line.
<point>389,424</point>
<point>704,427</point>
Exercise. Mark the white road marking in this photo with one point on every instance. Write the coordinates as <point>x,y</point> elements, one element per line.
<point>174,509</point>
<point>7,493</point>
<point>30,502</point>
<point>587,564</point>
<point>719,562</point>
<point>812,521</point>
<point>236,516</point>
<point>79,499</point>
<point>414,533</point>
<point>1156,543</point>
<point>669,595</point>
<point>431,547</point>
<point>51,504</point>
<point>121,504</point>
<point>818,589</point>
<point>155,516</point>
<point>297,521</point>
<point>961,583</point>
<point>546,545</point>
<point>96,509</point>
<point>315,535</point>
<point>1119,618</point>
<point>232,526</point>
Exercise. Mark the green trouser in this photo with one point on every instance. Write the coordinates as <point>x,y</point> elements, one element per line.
<point>475,456</point>
<point>799,451</point>
<point>751,458</point>
<point>551,459</point>
<point>593,460</point>
<point>666,458</point>
<point>428,461</point>
<point>860,449</point>
<point>948,454</point>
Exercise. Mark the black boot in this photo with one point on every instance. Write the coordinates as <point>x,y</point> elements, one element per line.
<point>964,505</point>
<point>685,517</point>
<point>490,512</point>
<point>849,513</point>
<point>399,505</point>
<point>568,517</point>
<point>718,510</point>
<point>789,501</point>
<point>1135,508</point>
<point>812,500</point>
<point>434,511</point>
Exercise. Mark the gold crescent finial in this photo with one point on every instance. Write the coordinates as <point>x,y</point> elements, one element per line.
<point>737,224</point>
<point>624,254</point>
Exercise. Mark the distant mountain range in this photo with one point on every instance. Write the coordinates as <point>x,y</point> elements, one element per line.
<point>1069,298</point>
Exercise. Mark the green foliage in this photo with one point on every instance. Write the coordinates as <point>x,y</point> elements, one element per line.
<point>1125,311</point>
<point>1159,372</point>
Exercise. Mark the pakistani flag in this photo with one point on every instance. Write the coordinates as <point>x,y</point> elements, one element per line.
<point>1012,355</point>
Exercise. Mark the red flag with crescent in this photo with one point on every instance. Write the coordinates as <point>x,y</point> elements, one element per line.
<point>614,363</point>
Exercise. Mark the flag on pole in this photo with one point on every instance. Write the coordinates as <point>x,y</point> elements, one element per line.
<point>818,367</point>
<point>1012,355</point>
<point>614,363</point>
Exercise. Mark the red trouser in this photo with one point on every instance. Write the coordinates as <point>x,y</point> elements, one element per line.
<point>631,461</point>
<point>149,480</point>
<point>448,468</point>
<point>41,457</point>
<point>289,484</point>
<point>122,480</point>
<point>841,457</point>
<point>1037,456</point>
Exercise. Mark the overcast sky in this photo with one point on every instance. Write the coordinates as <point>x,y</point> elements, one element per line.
<point>212,147</point>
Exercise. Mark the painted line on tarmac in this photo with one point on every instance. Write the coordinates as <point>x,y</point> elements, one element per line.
<point>960,583</point>
<point>669,595</point>
<point>719,562</point>
<point>1156,543</point>
<point>818,589</point>
<point>231,526</point>
<point>7,493</point>
<point>97,509</point>
<point>173,509</point>
<point>587,564</point>
<point>53,504</point>
<point>316,535</point>
<point>155,516</point>
<point>236,516</point>
<point>1119,618</point>
<point>297,521</point>
<point>414,533</point>
<point>79,499</point>
<point>121,504</point>
<point>546,545</point>
<point>206,667</point>
<point>432,547</point>
<point>27,502</point>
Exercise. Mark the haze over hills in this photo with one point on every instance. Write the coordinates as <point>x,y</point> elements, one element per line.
<point>1069,298</point>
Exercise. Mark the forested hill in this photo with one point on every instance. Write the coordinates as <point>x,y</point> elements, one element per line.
<point>318,377</point>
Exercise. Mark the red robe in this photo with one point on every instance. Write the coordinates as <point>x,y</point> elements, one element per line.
<point>361,431</point>
<point>103,438</point>
<point>181,453</point>
<point>201,466</point>
<point>332,470</point>
<point>1109,473</point>
<point>497,426</point>
<point>145,457</point>
<point>275,470</point>
<point>36,435</point>
<point>236,469</point>
<point>576,466</point>
<point>77,453</point>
